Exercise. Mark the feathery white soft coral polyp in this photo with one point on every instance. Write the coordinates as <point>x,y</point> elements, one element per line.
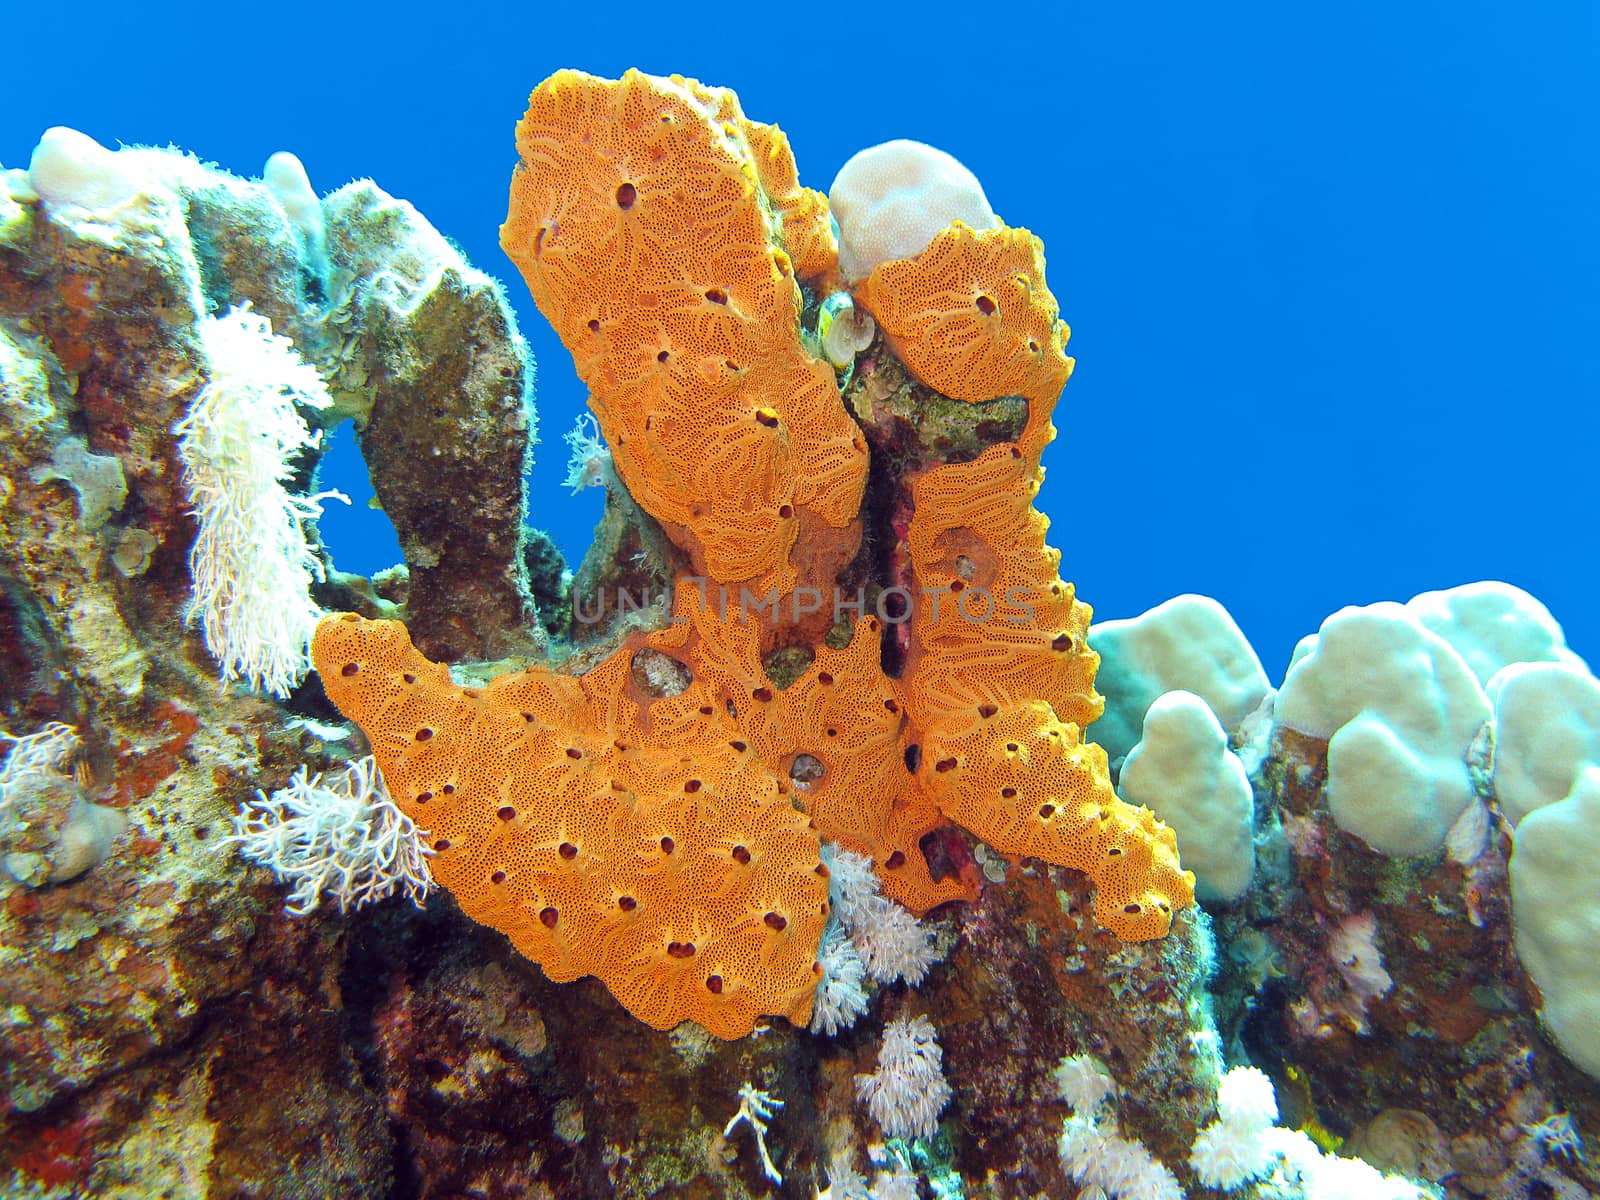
<point>1092,1150</point>
<point>342,838</point>
<point>909,1090</point>
<point>251,565</point>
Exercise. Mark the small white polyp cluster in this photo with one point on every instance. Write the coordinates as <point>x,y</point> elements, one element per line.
<point>1102,1162</point>
<point>867,934</point>
<point>1244,1145</point>
<point>908,1091</point>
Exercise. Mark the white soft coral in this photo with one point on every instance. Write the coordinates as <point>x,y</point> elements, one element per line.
<point>251,565</point>
<point>342,837</point>
<point>908,1092</point>
<point>1092,1150</point>
<point>867,935</point>
<point>1243,1145</point>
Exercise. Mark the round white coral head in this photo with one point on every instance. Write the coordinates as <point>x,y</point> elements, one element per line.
<point>891,200</point>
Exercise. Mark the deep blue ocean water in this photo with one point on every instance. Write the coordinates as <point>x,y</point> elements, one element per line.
<point>1333,273</point>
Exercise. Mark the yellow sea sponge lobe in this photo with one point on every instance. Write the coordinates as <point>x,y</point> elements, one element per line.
<point>662,235</point>
<point>971,318</point>
<point>604,833</point>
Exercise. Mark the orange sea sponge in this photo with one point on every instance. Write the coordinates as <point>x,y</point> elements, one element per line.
<point>606,832</point>
<point>669,844</point>
<point>660,232</point>
<point>1001,680</point>
<point>996,623</point>
<point>836,738</point>
<point>972,318</point>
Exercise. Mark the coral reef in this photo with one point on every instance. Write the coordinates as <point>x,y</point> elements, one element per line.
<point>148,1007</point>
<point>818,678</point>
<point>590,820</point>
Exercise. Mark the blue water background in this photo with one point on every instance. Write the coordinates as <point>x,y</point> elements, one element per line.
<point>1333,271</point>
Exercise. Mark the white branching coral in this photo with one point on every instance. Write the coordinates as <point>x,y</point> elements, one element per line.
<point>251,565</point>
<point>756,1108</point>
<point>342,838</point>
<point>908,1091</point>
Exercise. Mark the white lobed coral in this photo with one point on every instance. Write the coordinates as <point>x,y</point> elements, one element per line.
<point>342,838</point>
<point>71,169</point>
<point>891,201</point>
<point>1546,731</point>
<point>251,565</point>
<point>1183,771</point>
<point>908,1091</point>
<point>1557,917</point>
<point>1189,643</point>
<point>1492,624</point>
<point>286,178</point>
<point>1399,710</point>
